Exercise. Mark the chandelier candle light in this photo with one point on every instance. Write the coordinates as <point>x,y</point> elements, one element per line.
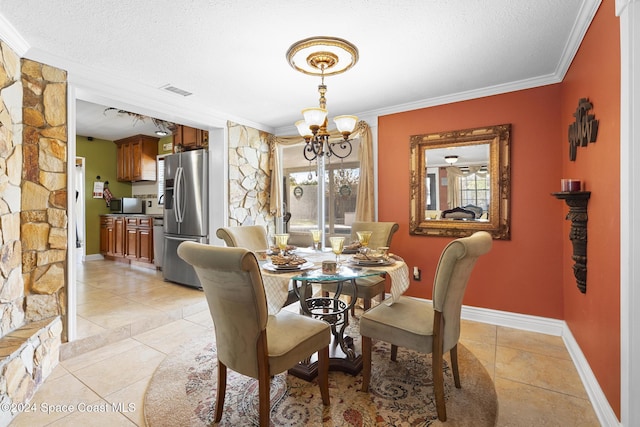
<point>323,56</point>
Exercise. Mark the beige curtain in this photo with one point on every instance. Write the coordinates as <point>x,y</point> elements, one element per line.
<point>364,199</point>
<point>453,186</point>
<point>365,203</point>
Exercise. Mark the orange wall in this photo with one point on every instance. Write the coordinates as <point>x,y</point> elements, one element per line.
<point>532,273</point>
<point>594,317</point>
<point>524,274</point>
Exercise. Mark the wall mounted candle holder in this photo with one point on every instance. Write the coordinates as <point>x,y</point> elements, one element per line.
<point>577,202</point>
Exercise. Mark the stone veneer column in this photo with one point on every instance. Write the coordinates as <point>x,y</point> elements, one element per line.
<point>249,177</point>
<point>30,352</point>
<point>11,290</point>
<point>44,192</point>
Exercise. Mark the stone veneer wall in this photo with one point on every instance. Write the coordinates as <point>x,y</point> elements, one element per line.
<point>32,225</point>
<point>11,292</point>
<point>249,177</point>
<point>44,190</point>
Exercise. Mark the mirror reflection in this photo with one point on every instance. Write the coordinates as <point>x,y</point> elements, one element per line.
<point>460,182</point>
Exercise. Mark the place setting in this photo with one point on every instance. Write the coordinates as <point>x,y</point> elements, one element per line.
<point>364,256</point>
<point>283,259</point>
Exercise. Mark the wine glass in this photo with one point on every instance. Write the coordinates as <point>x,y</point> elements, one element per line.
<point>337,245</point>
<point>364,237</point>
<point>316,239</point>
<point>281,242</point>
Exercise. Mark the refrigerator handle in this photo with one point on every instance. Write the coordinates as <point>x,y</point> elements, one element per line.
<point>178,195</point>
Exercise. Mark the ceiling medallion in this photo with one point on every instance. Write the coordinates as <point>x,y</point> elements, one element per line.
<point>319,56</point>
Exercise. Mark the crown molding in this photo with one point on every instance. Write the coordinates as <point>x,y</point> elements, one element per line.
<point>580,27</point>
<point>12,38</point>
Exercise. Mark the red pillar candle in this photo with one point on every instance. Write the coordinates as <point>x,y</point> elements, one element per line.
<point>570,185</point>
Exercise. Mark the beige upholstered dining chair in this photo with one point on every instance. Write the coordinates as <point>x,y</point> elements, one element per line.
<point>248,340</point>
<point>423,326</point>
<point>252,237</point>
<point>382,233</point>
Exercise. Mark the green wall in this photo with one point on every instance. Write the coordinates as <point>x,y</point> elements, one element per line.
<point>162,141</point>
<point>100,160</point>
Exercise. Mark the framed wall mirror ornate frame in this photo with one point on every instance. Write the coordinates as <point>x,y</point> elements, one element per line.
<point>460,182</point>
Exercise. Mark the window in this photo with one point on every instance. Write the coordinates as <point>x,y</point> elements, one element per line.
<point>341,179</point>
<point>475,189</point>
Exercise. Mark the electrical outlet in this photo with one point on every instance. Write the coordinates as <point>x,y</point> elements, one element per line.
<point>416,274</point>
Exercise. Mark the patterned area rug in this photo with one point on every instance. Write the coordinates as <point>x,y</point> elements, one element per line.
<point>182,393</point>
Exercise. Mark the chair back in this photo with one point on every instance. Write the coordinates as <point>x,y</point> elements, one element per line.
<point>232,284</point>
<point>251,237</point>
<point>381,232</point>
<point>458,213</point>
<point>452,275</point>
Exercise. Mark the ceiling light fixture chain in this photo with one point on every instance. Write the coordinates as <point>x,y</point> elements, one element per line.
<point>333,56</point>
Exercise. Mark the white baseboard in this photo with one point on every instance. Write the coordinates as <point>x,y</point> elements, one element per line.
<point>555,327</point>
<point>93,257</point>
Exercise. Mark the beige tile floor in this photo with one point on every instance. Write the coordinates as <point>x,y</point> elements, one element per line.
<point>535,379</point>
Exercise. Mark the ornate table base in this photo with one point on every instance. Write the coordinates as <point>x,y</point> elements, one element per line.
<point>342,353</point>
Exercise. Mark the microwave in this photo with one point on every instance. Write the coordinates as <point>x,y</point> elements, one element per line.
<point>130,205</point>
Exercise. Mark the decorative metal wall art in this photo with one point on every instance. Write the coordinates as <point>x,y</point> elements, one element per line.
<point>584,130</point>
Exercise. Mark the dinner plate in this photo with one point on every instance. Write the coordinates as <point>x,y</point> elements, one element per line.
<point>350,251</point>
<point>284,268</point>
<point>372,262</point>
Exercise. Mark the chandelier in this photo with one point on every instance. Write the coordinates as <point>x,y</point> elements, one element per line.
<point>323,56</point>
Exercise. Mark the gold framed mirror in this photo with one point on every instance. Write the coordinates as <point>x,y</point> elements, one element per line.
<point>460,182</point>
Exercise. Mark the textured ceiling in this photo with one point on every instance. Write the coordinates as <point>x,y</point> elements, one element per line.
<point>231,53</point>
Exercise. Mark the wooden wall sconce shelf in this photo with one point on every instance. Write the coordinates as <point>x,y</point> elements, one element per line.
<point>577,202</point>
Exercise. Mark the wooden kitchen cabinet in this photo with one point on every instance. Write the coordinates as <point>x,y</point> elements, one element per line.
<point>187,138</point>
<point>131,237</point>
<point>112,230</point>
<point>118,236</point>
<point>139,237</point>
<point>136,158</point>
<point>127,238</point>
<point>145,239</point>
<point>106,235</point>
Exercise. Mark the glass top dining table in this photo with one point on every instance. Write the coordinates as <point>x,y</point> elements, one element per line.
<point>278,283</point>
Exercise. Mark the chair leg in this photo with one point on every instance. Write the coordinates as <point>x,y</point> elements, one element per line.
<point>264,380</point>
<point>438,385</point>
<point>264,399</point>
<point>222,388</point>
<point>436,365</point>
<point>323,374</point>
<point>366,363</point>
<point>394,352</point>
<point>366,305</point>
<point>454,365</point>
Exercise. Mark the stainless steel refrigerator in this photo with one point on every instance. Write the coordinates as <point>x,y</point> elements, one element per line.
<point>186,211</point>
